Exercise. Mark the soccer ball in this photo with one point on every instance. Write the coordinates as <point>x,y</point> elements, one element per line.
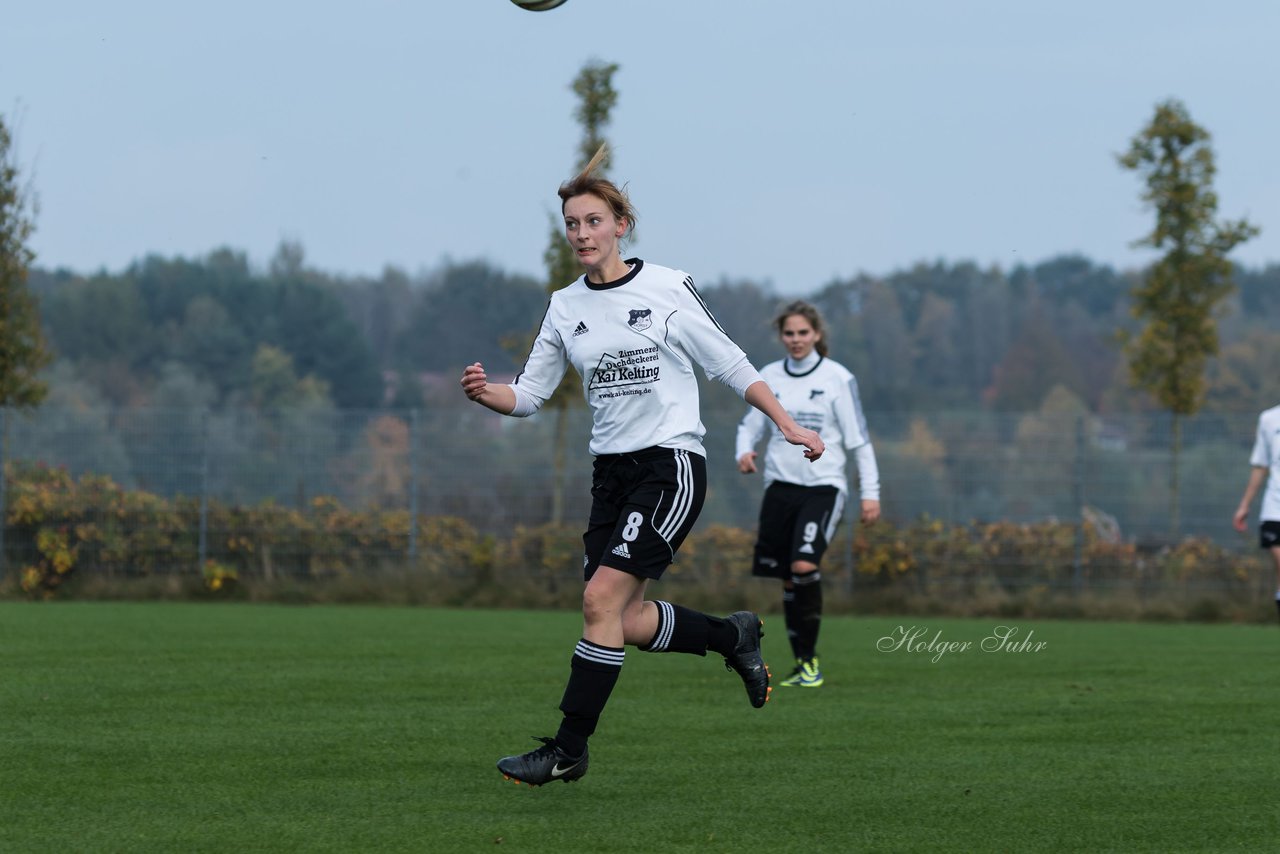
<point>537,5</point>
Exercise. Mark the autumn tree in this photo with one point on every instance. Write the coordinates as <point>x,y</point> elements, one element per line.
<point>1176,301</point>
<point>22,347</point>
<point>596,99</point>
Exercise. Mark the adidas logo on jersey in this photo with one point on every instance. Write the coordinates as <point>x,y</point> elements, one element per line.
<point>580,330</point>
<point>806,549</point>
<point>623,551</point>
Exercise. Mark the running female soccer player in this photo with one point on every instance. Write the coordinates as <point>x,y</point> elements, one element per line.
<point>802,504</point>
<point>634,331</point>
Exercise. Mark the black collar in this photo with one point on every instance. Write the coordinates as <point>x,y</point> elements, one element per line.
<point>786,366</point>
<point>636,265</point>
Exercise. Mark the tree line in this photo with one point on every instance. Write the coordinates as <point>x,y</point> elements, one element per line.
<point>1192,330</point>
<point>215,332</point>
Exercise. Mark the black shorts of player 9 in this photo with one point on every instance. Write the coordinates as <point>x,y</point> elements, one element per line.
<point>795,525</point>
<point>643,505</point>
<point>1269,535</point>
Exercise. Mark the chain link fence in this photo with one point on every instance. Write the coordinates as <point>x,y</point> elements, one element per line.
<point>457,460</point>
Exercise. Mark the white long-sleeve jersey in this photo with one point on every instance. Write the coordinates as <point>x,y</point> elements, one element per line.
<point>634,342</point>
<point>822,395</point>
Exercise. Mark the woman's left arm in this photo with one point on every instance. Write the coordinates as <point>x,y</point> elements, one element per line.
<point>760,396</point>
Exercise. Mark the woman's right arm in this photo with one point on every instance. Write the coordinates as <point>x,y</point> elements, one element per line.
<point>496,396</point>
<point>753,425</point>
<point>543,370</point>
<point>1257,474</point>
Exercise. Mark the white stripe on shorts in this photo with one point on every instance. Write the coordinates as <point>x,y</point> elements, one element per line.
<point>682,500</point>
<point>834,522</point>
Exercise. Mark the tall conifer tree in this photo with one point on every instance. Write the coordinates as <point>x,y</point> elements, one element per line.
<point>1177,299</point>
<point>596,99</point>
<point>22,346</point>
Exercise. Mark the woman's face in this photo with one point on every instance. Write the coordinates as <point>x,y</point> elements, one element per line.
<point>593,231</point>
<point>798,336</point>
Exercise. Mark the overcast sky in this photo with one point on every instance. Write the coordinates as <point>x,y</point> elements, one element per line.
<point>783,141</point>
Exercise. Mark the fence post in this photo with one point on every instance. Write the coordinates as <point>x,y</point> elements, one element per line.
<point>203,547</point>
<point>1077,569</point>
<point>4,484</point>
<point>413,488</point>
<point>849,568</point>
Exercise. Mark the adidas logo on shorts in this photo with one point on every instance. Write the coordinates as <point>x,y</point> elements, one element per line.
<point>623,551</point>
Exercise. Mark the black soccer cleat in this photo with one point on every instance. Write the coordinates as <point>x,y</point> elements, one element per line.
<point>543,765</point>
<point>746,659</point>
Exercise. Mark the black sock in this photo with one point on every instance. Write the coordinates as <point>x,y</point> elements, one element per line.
<point>792,616</point>
<point>722,636</point>
<point>680,629</point>
<point>594,670</point>
<point>808,591</point>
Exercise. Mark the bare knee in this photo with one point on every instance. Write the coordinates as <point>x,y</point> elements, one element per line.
<point>595,608</point>
<point>604,607</point>
<point>803,567</point>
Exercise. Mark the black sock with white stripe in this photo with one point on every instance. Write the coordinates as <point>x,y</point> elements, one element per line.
<point>680,629</point>
<point>594,670</point>
<point>791,614</point>
<point>808,588</point>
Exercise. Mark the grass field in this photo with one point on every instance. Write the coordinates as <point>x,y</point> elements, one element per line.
<point>231,727</point>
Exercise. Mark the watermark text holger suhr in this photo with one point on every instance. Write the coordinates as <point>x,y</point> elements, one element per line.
<point>918,639</point>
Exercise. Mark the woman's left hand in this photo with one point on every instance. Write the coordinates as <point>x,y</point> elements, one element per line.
<point>870,510</point>
<point>812,442</point>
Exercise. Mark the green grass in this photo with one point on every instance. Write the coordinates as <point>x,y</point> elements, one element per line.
<point>233,727</point>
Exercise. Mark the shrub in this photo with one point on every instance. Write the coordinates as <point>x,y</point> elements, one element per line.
<point>111,539</point>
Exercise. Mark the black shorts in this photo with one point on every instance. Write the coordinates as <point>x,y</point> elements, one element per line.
<point>796,523</point>
<point>1269,535</point>
<point>643,505</point>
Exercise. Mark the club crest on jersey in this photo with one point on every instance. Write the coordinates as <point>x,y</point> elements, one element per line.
<point>641,319</point>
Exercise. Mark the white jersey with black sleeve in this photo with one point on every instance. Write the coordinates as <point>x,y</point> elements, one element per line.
<point>822,395</point>
<point>634,342</point>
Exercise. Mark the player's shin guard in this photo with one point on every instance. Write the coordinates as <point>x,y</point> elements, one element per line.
<point>680,629</point>
<point>594,670</point>
<point>808,590</point>
<point>791,614</point>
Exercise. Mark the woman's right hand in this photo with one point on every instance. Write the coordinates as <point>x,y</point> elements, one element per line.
<point>474,381</point>
<point>747,463</point>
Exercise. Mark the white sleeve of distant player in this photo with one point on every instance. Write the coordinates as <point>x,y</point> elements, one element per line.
<point>1261,456</point>
<point>868,472</point>
<point>848,411</point>
<point>545,366</point>
<point>751,429</point>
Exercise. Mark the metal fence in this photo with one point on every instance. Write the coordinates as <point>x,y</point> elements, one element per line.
<point>455,459</point>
